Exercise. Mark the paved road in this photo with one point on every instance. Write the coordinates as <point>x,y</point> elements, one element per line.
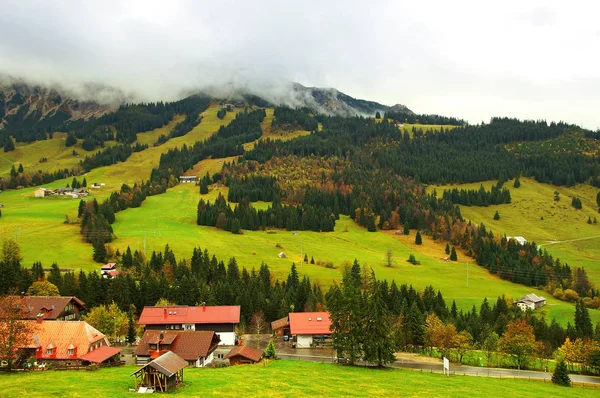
<point>425,364</point>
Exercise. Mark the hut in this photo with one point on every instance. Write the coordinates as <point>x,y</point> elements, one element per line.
<point>164,374</point>
<point>243,354</point>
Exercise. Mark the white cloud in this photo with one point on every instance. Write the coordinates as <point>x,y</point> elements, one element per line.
<point>534,59</point>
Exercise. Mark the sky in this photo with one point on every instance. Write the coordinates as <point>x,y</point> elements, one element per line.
<point>471,59</point>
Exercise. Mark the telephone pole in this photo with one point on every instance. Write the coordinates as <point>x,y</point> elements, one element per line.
<point>467,274</point>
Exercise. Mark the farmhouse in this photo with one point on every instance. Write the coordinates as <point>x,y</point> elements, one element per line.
<point>40,192</point>
<point>68,343</point>
<point>310,329</point>
<point>186,179</point>
<point>220,319</point>
<point>531,301</point>
<point>519,239</point>
<point>243,354</point>
<point>59,308</point>
<point>164,373</point>
<point>195,347</point>
<point>109,271</point>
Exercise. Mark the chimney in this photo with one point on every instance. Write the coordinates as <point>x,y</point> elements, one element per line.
<point>165,312</point>
<point>203,306</point>
<point>39,318</point>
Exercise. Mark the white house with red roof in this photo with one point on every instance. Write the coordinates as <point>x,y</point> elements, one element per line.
<point>220,319</point>
<point>109,271</point>
<point>310,329</point>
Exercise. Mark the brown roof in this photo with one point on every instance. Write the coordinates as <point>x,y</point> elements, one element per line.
<point>253,354</point>
<point>188,344</point>
<point>50,306</point>
<point>62,336</point>
<point>168,364</point>
<point>280,323</point>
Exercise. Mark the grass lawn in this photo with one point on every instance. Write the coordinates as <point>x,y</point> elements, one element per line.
<point>171,218</point>
<point>556,226</point>
<point>283,378</point>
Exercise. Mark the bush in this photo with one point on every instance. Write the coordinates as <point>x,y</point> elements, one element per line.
<point>270,350</point>
<point>571,295</point>
<point>413,260</point>
<point>496,215</point>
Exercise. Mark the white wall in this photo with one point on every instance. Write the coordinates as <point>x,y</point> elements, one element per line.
<point>227,338</point>
<point>304,341</point>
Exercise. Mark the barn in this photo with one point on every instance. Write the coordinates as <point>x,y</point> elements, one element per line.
<point>164,373</point>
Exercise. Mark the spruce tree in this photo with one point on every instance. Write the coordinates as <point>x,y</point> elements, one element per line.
<point>496,215</point>
<point>9,145</point>
<point>312,260</point>
<point>447,248</point>
<point>131,327</point>
<point>583,323</point>
<point>418,239</point>
<point>561,374</point>
<point>453,256</point>
<point>517,183</point>
<point>379,344</point>
<point>20,170</point>
<point>13,171</point>
<point>203,187</point>
<point>270,350</point>
<point>99,252</point>
<point>84,183</point>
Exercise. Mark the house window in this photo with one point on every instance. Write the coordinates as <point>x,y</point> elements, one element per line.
<point>71,351</point>
<point>49,351</point>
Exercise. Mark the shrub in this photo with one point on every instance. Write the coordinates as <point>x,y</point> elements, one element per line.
<point>561,374</point>
<point>270,350</point>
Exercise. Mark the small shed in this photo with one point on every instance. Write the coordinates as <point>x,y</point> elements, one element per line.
<point>282,255</point>
<point>281,326</point>
<point>243,354</point>
<point>39,193</point>
<point>164,374</point>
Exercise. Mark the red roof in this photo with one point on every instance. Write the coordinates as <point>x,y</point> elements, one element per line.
<point>253,354</point>
<point>310,323</point>
<point>108,266</point>
<point>188,344</point>
<point>101,354</point>
<point>189,315</point>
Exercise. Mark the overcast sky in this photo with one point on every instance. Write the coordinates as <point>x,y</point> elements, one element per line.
<point>471,59</point>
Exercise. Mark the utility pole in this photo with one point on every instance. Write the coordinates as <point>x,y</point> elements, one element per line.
<point>467,274</point>
<point>144,242</point>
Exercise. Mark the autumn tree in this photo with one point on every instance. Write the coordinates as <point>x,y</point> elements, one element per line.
<point>43,288</point>
<point>463,342</point>
<point>518,341</point>
<point>14,331</point>
<point>109,320</point>
<point>258,324</point>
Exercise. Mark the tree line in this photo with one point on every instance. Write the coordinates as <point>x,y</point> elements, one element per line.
<point>497,195</point>
<point>289,118</point>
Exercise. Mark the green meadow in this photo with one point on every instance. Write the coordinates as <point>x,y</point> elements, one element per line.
<point>283,379</point>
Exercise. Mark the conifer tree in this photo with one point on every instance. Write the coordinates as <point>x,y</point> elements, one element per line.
<point>418,239</point>
<point>84,183</point>
<point>496,215</point>
<point>20,170</point>
<point>453,256</point>
<point>517,183</point>
<point>9,145</point>
<point>270,350</point>
<point>130,326</point>
<point>583,323</point>
<point>312,260</point>
<point>561,374</point>
<point>378,344</point>
<point>13,171</point>
<point>447,248</point>
<point>203,187</point>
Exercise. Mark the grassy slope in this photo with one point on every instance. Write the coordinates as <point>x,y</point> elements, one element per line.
<point>273,133</point>
<point>282,378</point>
<point>561,222</point>
<point>171,218</point>
<point>33,221</point>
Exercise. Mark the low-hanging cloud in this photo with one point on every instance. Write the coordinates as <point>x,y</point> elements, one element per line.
<point>536,59</point>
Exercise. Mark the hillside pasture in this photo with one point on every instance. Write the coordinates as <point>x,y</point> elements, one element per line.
<point>283,379</point>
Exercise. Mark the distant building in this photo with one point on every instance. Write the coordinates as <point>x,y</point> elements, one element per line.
<point>220,319</point>
<point>109,271</point>
<point>281,327</point>
<point>243,354</point>
<point>519,239</point>
<point>186,179</point>
<point>54,308</point>
<point>531,301</point>
<point>40,192</point>
<point>310,329</point>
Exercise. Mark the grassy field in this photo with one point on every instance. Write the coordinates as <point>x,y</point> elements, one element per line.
<point>556,226</point>
<point>171,218</point>
<point>283,378</point>
<point>274,133</point>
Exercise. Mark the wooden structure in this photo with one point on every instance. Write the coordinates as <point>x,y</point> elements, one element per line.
<point>163,374</point>
<point>243,354</point>
<point>281,327</point>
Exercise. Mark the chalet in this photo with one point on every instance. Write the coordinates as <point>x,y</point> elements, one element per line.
<point>531,301</point>
<point>40,192</point>
<point>109,271</point>
<point>243,354</point>
<point>281,327</point>
<point>310,329</point>
<point>68,343</point>
<point>186,179</point>
<point>220,319</point>
<point>195,347</point>
<point>54,308</point>
<point>164,374</point>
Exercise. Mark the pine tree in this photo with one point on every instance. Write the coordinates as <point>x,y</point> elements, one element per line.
<point>379,344</point>
<point>453,256</point>
<point>589,221</point>
<point>71,140</point>
<point>9,145</point>
<point>236,227</point>
<point>20,170</point>
<point>561,374</point>
<point>377,115</point>
<point>418,239</point>
<point>84,183</point>
<point>305,259</point>
<point>447,248</point>
<point>312,260</point>
<point>406,229</point>
<point>13,171</point>
<point>131,335</point>
<point>496,215</point>
<point>583,323</point>
<point>99,252</point>
<point>203,187</point>
<point>517,183</point>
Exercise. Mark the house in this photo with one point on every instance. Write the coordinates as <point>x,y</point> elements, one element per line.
<point>195,347</point>
<point>40,192</point>
<point>55,308</point>
<point>164,373</point>
<point>531,301</point>
<point>109,271</point>
<point>220,319</point>
<point>243,354</point>
<point>519,239</point>
<point>68,343</point>
<point>186,179</point>
<point>281,327</point>
<point>310,329</point>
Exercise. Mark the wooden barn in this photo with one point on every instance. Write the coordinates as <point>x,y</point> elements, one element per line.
<point>244,354</point>
<point>163,374</point>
